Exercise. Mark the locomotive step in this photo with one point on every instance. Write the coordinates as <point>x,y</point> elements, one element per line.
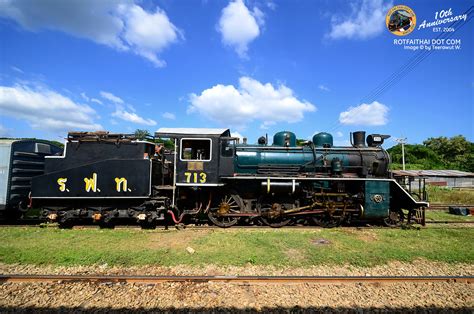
<point>164,187</point>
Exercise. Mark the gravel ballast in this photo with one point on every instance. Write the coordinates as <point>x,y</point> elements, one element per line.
<point>395,268</point>
<point>237,296</point>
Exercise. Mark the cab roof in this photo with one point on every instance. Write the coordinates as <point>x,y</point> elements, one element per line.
<point>180,132</point>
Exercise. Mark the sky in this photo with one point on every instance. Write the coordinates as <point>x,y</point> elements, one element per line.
<point>256,67</point>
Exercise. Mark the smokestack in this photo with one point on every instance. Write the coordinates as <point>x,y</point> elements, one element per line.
<point>358,139</point>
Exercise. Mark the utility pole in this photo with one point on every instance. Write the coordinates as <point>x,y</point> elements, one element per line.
<point>402,141</point>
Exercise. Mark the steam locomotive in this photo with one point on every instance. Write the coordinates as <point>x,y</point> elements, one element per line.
<point>208,175</point>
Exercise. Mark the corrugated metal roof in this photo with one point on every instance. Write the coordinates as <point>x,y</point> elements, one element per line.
<point>433,173</point>
<point>7,141</point>
<point>194,131</point>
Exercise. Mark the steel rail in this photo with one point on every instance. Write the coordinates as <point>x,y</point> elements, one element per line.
<point>449,222</point>
<point>446,206</point>
<point>16,278</point>
<point>158,227</point>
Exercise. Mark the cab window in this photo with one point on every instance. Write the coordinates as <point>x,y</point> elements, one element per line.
<point>196,149</point>
<point>227,148</point>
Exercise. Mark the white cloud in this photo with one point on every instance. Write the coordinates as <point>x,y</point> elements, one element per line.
<point>148,33</point>
<point>169,115</point>
<point>131,107</point>
<point>365,114</point>
<point>342,143</point>
<point>324,88</point>
<point>85,97</point>
<point>16,69</point>
<point>271,5</point>
<point>251,101</point>
<point>111,97</point>
<point>45,109</point>
<point>121,113</point>
<point>267,124</point>
<point>237,134</point>
<point>120,24</point>
<point>4,132</point>
<point>239,26</point>
<point>97,101</point>
<point>339,134</point>
<point>367,20</point>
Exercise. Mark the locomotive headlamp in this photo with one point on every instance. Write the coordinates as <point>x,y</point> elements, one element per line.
<point>375,140</point>
<point>53,217</point>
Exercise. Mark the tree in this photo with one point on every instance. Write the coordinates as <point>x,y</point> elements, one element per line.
<point>416,155</point>
<point>167,143</point>
<point>456,152</point>
<point>141,134</point>
<point>300,141</point>
<point>59,144</point>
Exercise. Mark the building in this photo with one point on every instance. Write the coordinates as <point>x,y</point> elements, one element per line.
<point>445,178</point>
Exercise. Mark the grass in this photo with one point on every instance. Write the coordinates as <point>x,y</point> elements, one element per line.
<point>445,216</point>
<point>450,196</point>
<point>31,245</point>
<point>408,166</point>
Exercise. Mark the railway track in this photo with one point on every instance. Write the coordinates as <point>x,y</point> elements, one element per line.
<point>437,207</point>
<point>39,222</point>
<point>98,279</point>
<point>446,206</point>
<point>449,222</point>
<point>204,227</point>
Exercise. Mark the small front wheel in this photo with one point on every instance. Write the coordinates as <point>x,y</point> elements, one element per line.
<point>395,218</point>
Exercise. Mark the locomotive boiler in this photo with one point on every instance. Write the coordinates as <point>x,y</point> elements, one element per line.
<point>319,156</point>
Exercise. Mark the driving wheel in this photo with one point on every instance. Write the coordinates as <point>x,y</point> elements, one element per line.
<point>224,205</point>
